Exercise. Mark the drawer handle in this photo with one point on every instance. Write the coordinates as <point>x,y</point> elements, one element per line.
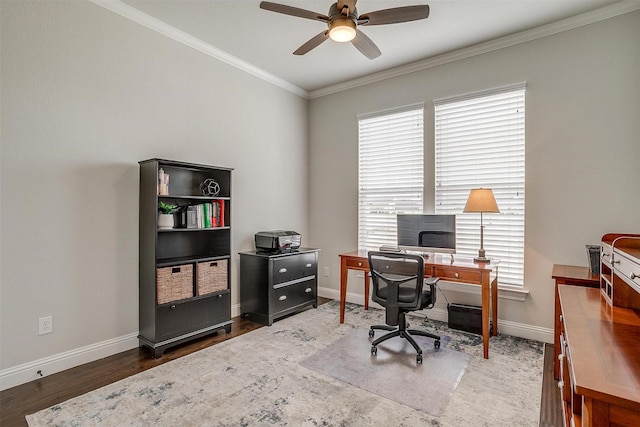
<point>282,270</point>
<point>634,276</point>
<point>560,357</point>
<point>560,384</point>
<point>615,261</point>
<point>173,306</point>
<point>308,290</point>
<point>282,298</point>
<point>219,295</point>
<point>456,275</point>
<point>359,264</point>
<point>175,270</point>
<point>213,264</point>
<point>308,265</point>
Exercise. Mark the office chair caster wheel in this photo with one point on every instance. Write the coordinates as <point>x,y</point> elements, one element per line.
<point>371,333</point>
<point>436,344</point>
<point>419,359</point>
<point>374,350</point>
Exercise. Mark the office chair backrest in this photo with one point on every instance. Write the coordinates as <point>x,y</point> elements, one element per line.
<point>398,280</point>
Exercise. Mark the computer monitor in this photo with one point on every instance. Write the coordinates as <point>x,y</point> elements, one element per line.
<point>427,233</point>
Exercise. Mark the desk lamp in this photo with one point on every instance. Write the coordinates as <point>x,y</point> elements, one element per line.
<point>481,200</point>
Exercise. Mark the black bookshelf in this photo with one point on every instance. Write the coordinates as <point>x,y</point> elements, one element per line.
<point>184,273</point>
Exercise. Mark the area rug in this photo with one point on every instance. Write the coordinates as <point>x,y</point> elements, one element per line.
<point>393,372</point>
<point>257,379</point>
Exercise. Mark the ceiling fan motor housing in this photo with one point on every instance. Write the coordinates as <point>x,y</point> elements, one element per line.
<point>342,28</point>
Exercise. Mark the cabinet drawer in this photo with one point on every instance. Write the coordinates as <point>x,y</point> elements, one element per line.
<point>177,319</point>
<point>454,274</point>
<point>294,266</point>
<point>287,295</point>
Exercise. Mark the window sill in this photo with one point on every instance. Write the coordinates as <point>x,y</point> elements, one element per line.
<point>504,292</point>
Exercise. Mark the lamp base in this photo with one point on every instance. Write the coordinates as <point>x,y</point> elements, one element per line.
<point>481,258</point>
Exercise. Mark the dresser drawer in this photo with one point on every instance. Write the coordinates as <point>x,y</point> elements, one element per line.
<point>294,293</point>
<point>458,274</point>
<point>293,267</point>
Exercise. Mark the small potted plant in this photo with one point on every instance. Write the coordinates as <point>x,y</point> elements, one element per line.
<point>165,218</point>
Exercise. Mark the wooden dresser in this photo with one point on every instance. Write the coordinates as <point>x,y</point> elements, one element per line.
<point>600,341</point>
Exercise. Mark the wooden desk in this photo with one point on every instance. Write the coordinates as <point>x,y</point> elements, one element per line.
<point>456,269</point>
<point>600,366</point>
<point>567,275</point>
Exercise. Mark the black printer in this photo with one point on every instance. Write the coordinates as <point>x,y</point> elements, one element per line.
<point>277,241</point>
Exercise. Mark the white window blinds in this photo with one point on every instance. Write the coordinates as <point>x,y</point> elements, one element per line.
<point>479,142</point>
<point>391,172</point>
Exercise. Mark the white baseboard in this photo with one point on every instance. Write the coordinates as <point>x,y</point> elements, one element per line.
<point>506,327</point>
<point>27,372</point>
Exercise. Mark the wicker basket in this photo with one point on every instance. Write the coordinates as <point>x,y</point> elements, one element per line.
<point>174,283</point>
<point>212,276</point>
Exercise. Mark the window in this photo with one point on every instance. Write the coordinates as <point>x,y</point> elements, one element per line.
<point>391,172</point>
<point>479,142</point>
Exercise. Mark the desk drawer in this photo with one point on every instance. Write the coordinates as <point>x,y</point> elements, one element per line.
<point>357,264</point>
<point>458,274</point>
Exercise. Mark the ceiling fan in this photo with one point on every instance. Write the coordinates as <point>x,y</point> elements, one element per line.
<point>343,20</point>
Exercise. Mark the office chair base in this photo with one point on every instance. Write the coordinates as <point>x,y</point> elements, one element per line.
<point>403,332</point>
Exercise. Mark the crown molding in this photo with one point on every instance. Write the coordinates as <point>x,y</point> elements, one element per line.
<point>567,24</point>
<point>180,36</point>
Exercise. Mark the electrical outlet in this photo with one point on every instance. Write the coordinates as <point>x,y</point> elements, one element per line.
<point>326,272</point>
<point>45,325</point>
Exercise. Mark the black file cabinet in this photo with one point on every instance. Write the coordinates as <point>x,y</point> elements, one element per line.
<point>276,285</point>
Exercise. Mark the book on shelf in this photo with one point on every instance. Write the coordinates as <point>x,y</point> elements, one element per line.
<point>206,215</point>
<point>192,217</point>
<point>220,204</point>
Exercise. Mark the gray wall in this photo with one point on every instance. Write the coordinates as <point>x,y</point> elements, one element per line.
<point>582,151</point>
<point>86,94</point>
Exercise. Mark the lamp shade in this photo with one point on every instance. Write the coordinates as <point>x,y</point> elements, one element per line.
<point>481,200</point>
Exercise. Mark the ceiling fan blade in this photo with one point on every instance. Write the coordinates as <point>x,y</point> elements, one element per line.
<point>313,43</point>
<point>365,45</point>
<point>293,11</point>
<point>394,15</point>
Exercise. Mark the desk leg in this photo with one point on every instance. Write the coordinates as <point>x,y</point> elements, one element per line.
<point>494,305</point>
<point>343,287</point>
<point>366,291</point>
<point>485,317</point>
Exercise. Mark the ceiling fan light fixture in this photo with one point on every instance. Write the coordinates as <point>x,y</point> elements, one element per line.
<point>342,30</point>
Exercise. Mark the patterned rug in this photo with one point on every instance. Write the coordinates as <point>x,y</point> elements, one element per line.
<point>258,379</point>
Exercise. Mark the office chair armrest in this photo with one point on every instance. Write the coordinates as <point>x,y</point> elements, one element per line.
<point>431,280</point>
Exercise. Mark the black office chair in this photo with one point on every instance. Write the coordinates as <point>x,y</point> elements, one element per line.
<point>399,286</point>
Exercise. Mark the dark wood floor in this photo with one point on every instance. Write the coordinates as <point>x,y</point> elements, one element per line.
<point>28,398</point>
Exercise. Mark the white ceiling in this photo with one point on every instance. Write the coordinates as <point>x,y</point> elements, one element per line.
<point>240,31</point>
